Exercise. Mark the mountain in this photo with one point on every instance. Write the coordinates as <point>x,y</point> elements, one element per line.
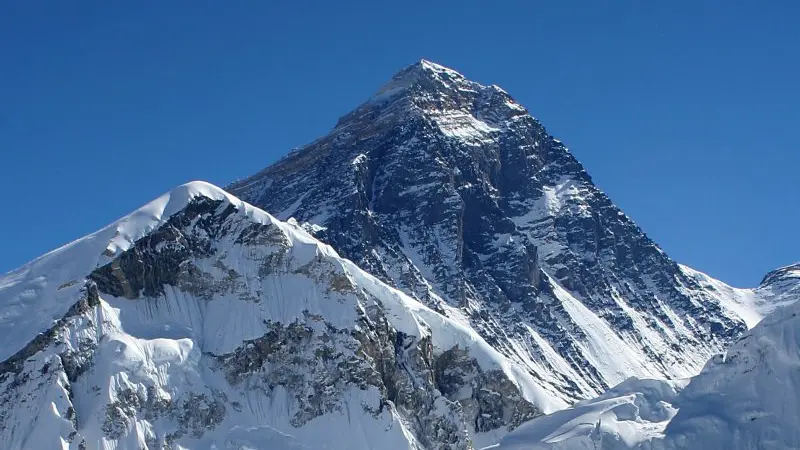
<point>438,271</point>
<point>781,287</point>
<point>199,321</point>
<point>746,398</point>
<point>452,192</point>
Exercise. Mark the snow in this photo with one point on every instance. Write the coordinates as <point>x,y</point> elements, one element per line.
<point>751,305</point>
<point>463,127</point>
<point>42,291</point>
<point>38,293</point>
<point>632,413</point>
<point>746,399</point>
<point>565,193</point>
<point>170,368</point>
<point>160,346</point>
<point>604,349</point>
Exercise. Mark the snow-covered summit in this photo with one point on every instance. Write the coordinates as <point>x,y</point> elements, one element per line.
<point>787,273</point>
<point>50,276</point>
<point>425,68</point>
<point>422,73</point>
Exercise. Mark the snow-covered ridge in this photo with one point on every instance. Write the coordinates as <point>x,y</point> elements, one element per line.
<point>779,288</point>
<point>24,291</point>
<point>38,293</point>
<point>789,272</point>
<point>149,346</point>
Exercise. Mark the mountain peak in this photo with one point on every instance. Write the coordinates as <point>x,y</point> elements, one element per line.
<point>458,106</point>
<point>432,67</point>
<point>424,75</point>
<point>211,303</point>
<point>423,67</point>
<point>783,273</point>
<point>484,280</point>
<point>452,192</point>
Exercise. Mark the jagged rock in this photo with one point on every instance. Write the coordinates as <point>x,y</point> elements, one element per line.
<point>452,192</point>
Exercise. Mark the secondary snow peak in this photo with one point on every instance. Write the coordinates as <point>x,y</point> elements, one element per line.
<point>200,321</point>
<point>789,272</point>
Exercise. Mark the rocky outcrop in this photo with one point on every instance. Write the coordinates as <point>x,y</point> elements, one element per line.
<point>489,399</point>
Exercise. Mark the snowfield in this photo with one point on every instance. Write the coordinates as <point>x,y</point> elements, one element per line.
<point>746,399</point>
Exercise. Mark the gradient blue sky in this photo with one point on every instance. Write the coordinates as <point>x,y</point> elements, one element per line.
<point>684,112</point>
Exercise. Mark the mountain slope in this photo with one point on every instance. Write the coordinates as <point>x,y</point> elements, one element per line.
<point>452,192</point>
<point>744,399</point>
<point>199,321</point>
<point>778,288</point>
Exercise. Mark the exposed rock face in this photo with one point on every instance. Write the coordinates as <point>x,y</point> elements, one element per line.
<point>493,401</point>
<point>781,286</point>
<point>222,319</point>
<point>452,192</point>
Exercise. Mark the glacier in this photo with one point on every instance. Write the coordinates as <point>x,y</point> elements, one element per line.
<point>745,398</point>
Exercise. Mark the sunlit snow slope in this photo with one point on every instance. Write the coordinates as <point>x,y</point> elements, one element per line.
<point>199,321</point>
<point>747,398</point>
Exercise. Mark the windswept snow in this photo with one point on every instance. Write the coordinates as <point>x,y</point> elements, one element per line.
<point>629,415</point>
<point>745,399</point>
<point>616,359</point>
<point>159,349</point>
<point>752,304</point>
<point>42,291</point>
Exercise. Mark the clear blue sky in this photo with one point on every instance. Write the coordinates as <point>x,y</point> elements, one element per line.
<point>684,112</point>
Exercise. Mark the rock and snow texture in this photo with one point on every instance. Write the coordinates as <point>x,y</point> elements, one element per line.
<point>498,284</point>
<point>450,191</point>
<point>745,399</point>
<point>200,321</point>
<point>781,287</point>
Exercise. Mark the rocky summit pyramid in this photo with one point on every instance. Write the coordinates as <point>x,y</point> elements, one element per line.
<point>435,272</point>
<point>452,192</point>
